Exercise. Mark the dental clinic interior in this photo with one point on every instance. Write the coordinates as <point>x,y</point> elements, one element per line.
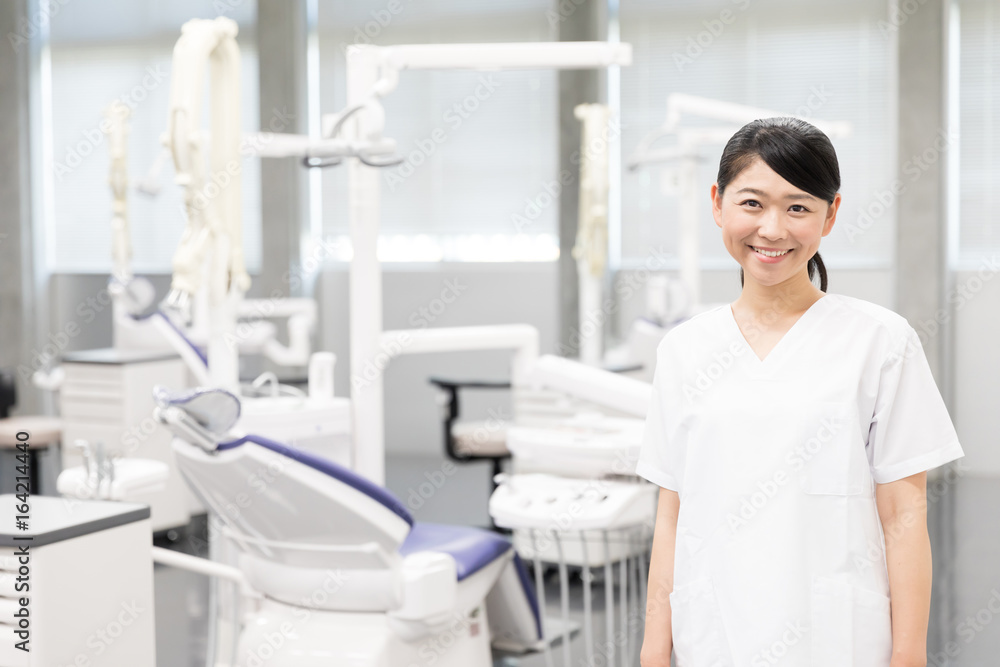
<point>351,333</point>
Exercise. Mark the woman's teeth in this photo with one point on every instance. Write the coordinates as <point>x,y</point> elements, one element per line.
<point>770,253</point>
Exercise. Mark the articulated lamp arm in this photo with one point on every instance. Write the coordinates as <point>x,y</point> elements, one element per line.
<point>211,201</point>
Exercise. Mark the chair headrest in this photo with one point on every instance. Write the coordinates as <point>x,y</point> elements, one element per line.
<point>202,415</point>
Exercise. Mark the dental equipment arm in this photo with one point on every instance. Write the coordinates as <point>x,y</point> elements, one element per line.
<point>522,338</point>
<point>213,233</point>
<point>374,150</point>
<point>118,131</point>
<point>211,201</point>
<point>301,314</point>
<point>732,115</point>
<point>591,248</point>
<point>596,385</point>
<point>373,70</point>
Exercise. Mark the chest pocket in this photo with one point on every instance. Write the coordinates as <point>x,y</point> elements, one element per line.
<point>833,452</point>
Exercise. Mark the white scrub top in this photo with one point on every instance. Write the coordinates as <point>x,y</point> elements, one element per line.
<point>780,557</point>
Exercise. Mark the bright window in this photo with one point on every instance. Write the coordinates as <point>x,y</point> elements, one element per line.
<point>481,147</point>
<point>979,127</point>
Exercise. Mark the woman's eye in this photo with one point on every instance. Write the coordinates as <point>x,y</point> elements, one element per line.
<point>750,202</point>
<point>798,208</point>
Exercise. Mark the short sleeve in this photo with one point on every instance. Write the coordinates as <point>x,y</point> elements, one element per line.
<point>911,431</point>
<point>660,460</point>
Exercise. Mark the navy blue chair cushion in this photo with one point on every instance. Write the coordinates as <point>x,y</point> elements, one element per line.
<point>472,548</point>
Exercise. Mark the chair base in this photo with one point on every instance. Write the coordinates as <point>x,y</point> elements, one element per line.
<point>281,635</point>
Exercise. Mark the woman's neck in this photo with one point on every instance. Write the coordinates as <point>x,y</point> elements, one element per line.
<point>792,296</point>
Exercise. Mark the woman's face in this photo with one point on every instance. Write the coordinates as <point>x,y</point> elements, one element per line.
<point>769,226</point>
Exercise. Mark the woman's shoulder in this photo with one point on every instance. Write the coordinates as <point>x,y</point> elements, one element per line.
<point>866,313</point>
<point>699,327</point>
<point>887,333</point>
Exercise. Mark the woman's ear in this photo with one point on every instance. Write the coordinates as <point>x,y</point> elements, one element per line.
<point>716,204</point>
<point>831,215</point>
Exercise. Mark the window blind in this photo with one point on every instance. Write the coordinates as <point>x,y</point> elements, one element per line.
<point>480,148</point>
<point>979,146</point>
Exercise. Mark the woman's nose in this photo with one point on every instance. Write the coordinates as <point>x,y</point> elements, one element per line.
<point>771,225</point>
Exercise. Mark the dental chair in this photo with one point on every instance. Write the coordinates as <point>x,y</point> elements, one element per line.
<point>338,571</point>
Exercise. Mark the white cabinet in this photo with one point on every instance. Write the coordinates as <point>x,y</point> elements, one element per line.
<point>87,576</point>
<point>107,397</point>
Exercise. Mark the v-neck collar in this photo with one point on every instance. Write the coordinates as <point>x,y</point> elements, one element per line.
<point>781,344</point>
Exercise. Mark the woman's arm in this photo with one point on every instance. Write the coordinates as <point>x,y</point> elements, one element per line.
<point>657,642</point>
<point>902,507</point>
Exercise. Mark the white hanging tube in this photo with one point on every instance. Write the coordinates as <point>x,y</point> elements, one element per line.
<point>591,248</point>
<point>214,230</point>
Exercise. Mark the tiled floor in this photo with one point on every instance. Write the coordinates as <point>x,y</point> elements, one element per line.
<point>965,534</point>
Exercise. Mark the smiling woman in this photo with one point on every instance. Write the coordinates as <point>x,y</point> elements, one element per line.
<point>782,167</point>
<point>781,471</point>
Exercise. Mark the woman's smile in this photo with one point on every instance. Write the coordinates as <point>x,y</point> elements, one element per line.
<point>769,255</point>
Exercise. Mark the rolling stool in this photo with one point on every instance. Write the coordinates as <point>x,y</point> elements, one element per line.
<point>42,431</point>
<point>466,441</point>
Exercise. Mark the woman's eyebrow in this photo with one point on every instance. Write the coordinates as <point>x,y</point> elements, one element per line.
<point>761,193</point>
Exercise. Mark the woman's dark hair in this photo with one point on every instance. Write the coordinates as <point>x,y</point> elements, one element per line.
<point>797,151</point>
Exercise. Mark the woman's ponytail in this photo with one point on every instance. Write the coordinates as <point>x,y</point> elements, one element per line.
<point>816,266</point>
